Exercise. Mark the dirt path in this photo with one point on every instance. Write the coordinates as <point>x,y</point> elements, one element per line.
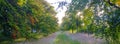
<point>84,38</point>
<point>81,37</point>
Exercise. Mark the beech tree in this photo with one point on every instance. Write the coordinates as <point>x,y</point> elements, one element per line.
<point>99,17</point>
<point>23,18</point>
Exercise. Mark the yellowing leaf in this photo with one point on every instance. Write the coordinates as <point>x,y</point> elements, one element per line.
<point>118,3</point>
<point>21,2</point>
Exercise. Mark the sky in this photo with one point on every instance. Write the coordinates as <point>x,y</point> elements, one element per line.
<point>60,12</point>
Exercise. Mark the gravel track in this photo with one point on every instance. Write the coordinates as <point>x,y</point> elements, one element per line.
<point>83,38</point>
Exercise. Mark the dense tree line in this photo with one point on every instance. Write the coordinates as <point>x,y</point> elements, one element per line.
<point>99,17</point>
<point>23,18</point>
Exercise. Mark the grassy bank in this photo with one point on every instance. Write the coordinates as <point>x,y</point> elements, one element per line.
<point>64,39</point>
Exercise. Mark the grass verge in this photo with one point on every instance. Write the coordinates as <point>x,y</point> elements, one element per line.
<point>64,39</point>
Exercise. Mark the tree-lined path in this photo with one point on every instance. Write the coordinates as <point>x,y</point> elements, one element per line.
<point>83,38</point>
<point>90,21</point>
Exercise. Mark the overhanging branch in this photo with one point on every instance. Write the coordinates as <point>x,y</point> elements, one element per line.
<point>113,4</point>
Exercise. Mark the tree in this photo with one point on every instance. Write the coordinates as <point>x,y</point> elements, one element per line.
<point>99,17</point>
<point>22,18</point>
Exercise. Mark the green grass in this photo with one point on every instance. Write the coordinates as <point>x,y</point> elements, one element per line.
<point>64,39</point>
<point>7,42</point>
<point>32,36</point>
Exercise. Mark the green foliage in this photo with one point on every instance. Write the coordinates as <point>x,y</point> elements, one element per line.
<point>21,18</point>
<point>99,17</point>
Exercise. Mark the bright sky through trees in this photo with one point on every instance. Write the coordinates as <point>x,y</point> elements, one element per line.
<point>60,11</point>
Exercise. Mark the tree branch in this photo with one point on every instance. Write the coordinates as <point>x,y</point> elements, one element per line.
<point>113,4</point>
